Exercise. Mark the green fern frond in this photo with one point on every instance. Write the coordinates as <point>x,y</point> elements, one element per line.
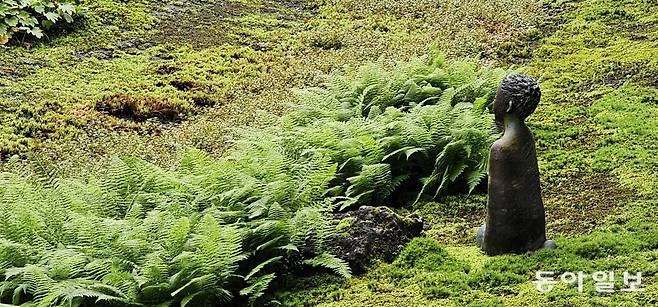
<point>329,261</point>
<point>257,288</point>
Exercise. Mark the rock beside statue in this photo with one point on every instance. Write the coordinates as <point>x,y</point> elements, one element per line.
<point>373,233</point>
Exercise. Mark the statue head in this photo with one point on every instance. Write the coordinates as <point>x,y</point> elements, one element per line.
<point>517,95</point>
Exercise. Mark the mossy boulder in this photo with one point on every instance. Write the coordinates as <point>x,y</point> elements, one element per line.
<point>373,233</point>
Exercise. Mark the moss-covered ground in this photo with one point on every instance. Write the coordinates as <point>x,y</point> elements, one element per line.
<point>597,63</point>
<point>150,77</point>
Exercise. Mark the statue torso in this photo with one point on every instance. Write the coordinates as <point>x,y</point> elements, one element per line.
<point>515,212</point>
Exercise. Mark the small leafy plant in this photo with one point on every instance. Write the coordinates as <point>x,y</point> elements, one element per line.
<point>33,16</point>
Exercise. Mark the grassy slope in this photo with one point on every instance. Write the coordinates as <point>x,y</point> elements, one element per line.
<point>596,132</point>
<point>214,64</point>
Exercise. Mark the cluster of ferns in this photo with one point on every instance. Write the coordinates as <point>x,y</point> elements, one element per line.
<point>220,231</point>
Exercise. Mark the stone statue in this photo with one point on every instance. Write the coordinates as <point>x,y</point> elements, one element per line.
<point>515,220</point>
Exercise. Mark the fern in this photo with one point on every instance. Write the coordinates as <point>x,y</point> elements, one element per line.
<point>257,287</point>
<point>215,231</point>
<point>328,261</point>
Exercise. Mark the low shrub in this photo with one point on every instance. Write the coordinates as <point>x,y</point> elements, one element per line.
<point>34,16</point>
<point>418,128</point>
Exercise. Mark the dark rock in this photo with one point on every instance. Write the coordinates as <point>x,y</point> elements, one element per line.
<point>102,54</point>
<point>373,233</point>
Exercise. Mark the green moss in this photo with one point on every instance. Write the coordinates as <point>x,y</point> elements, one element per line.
<point>627,118</point>
<point>454,218</point>
<point>309,290</point>
<point>241,56</point>
<point>435,275</point>
<point>594,68</point>
<point>422,253</point>
<point>344,225</point>
<point>596,131</point>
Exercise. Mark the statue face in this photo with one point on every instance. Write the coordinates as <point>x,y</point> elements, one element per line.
<point>500,107</point>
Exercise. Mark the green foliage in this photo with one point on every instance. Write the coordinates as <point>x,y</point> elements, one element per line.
<point>33,16</point>
<point>240,56</point>
<point>599,66</point>
<point>206,233</point>
<point>422,126</point>
<point>325,260</point>
<point>423,272</point>
<point>217,230</point>
<point>626,119</point>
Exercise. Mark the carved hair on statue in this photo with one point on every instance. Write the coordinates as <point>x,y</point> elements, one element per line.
<point>520,95</point>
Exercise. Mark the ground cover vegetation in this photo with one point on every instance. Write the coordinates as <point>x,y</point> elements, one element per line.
<point>151,78</point>
<point>216,231</point>
<point>595,61</point>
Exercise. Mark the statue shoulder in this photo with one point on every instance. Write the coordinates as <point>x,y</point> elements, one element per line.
<point>499,145</point>
<point>503,147</point>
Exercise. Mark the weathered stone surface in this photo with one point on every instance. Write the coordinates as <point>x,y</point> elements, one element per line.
<point>373,233</point>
